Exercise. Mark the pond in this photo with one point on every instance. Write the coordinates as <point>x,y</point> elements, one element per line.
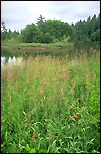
<point>11,55</point>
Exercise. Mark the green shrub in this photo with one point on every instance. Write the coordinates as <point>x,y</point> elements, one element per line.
<point>47,38</point>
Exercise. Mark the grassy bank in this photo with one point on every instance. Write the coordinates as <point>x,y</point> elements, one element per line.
<point>51,105</point>
<point>17,44</point>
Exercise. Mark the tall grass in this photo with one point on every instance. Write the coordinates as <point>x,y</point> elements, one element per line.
<point>51,105</point>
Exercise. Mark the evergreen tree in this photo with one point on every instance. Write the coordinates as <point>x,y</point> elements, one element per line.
<point>40,19</point>
<point>3,31</point>
<point>88,31</point>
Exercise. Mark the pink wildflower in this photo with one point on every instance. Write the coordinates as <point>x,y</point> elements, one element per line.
<point>33,137</point>
<point>77,113</point>
<point>32,120</point>
<point>25,119</point>
<point>74,114</point>
<point>72,118</point>
<point>51,136</point>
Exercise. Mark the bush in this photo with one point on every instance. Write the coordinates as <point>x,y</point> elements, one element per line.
<point>19,38</point>
<point>55,40</point>
<point>95,36</point>
<point>47,38</point>
<point>66,39</point>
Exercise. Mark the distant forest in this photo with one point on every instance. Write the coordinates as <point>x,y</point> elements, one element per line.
<point>55,31</point>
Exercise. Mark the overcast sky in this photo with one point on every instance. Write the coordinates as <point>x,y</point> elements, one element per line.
<point>18,14</point>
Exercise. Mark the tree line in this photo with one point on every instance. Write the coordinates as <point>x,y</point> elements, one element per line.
<point>54,31</point>
<point>88,31</point>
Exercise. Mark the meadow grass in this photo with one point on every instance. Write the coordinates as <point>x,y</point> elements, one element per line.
<point>51,105</point>
<point>17,44</point>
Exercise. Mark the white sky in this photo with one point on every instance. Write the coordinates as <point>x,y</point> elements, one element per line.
<point>18,14</point>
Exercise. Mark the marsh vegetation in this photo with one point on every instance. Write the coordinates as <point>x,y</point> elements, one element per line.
<point>50,103</point>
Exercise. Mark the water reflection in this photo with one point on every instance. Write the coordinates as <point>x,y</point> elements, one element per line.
<point>3,60</point>
<point>13,55</point>
<point>13,60</point>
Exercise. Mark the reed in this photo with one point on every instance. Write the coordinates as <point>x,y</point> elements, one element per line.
<point>49,105</point>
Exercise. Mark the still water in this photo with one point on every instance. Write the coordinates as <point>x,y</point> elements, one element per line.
<point>15,56</point>
<point>11,60</point>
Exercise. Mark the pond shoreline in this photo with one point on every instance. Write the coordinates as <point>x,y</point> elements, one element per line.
<point>60,51</point>
<point>32,47</point>
<point>23,48</point>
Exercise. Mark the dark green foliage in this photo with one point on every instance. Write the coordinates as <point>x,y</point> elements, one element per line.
<point>40,19</point>
<point>14,34</point>
<point>3,31</point>
<point>9,34</point>
<point>88,31</point>
<point>46,31</point>
<point>95,36</point>
<point>55,30</point>
<point>30,33</point>
<point>47,38</point>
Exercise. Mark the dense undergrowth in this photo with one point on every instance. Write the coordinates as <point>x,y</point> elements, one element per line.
<point>51,105</point>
